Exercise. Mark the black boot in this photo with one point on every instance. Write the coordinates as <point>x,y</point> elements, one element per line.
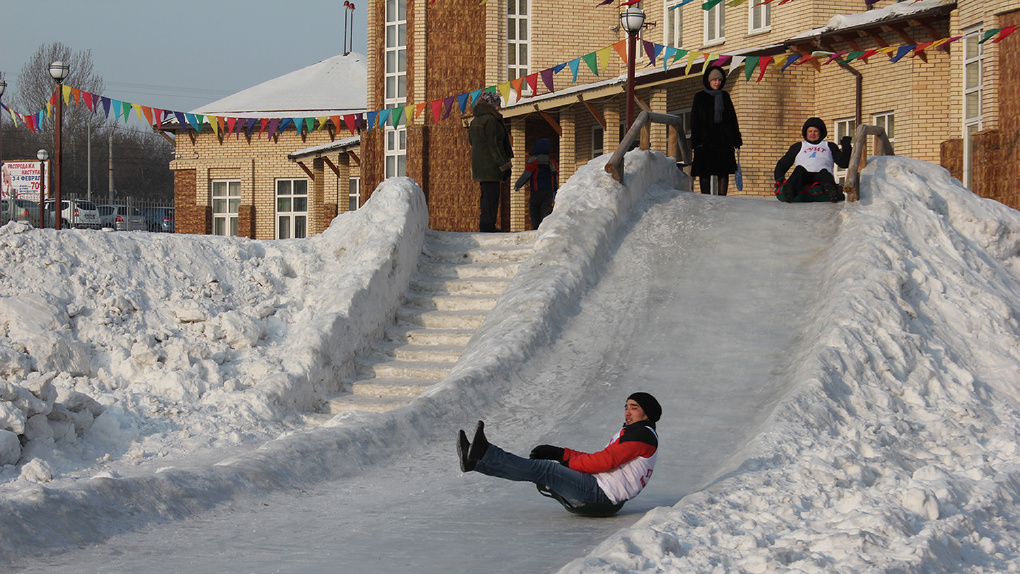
<point>478,446</point>
<point>463,447</point>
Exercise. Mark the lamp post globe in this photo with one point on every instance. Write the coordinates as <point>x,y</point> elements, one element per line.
<point>632,19</point>
<point>43,155</point>
<point>59,70</point>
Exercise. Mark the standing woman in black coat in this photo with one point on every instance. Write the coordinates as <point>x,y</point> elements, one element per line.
<point>714,132</point>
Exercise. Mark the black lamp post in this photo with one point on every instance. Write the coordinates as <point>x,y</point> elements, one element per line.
<point>59,71</point>
<point>632,19</point>
<point>43,155</point>
<point>3,88</point>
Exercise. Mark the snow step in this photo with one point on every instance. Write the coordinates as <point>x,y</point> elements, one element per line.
<point>459,279</point>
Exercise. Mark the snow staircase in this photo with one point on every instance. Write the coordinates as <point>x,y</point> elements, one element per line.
<point>459,278</point>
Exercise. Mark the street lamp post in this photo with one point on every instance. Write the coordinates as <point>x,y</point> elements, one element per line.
<point>59,71</point>
<point>43,155</point>
<point>632,19</point>
<point>3,88</point>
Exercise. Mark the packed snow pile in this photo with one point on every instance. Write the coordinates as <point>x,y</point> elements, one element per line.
<point>898,449</point>
<point>138,346</point>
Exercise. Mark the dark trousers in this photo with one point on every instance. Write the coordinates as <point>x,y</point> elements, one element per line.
<point>706,183</point>
<point>490,206</point>
<point>540,205</point>
<point>801,178</point>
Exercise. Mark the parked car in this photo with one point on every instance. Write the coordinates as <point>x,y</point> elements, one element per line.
<point>19,210</point>
<point>74,213</point>
<point>159,219</point>
<point>122,218</point>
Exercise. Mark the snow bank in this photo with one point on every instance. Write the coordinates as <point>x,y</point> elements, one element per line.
<point>897,451</point>
<point>202,347</point>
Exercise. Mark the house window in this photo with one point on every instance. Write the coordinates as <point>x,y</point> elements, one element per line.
<point>886,121</point>
<point>597,141</point>
<point>843,127</point>
<point>291,208</point>
<point>685,117</point>
<point>973,113</point>
<point>759,17</point>
<point>396,84</point>
<point>226,197</point>
<point>518,38</point>
<point>673,34</point>
<point>355,194</point>
<point>715,24</point>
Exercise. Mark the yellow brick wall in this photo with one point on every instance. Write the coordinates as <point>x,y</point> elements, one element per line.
<point>257,164</point>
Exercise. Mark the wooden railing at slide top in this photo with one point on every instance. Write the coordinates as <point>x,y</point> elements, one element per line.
<point>677,147</point>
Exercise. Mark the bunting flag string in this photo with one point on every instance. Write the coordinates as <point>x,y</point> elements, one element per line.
<point>597,62</point>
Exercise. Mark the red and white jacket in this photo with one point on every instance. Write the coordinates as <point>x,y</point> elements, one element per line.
<point>625,466</point>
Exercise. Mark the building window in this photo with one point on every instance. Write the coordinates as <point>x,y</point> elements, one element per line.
<point>355,194</point>
<point>597,141</point>
<point>518,39</point>
<point>673,34</point>
<point>396,84</point>
<point>973,113</point>
<point>759,17</point>
<point>715,24</point>
<point>886,121</point>
<point>843,127</point>
<point>291,208</point>
<point>226,198</point>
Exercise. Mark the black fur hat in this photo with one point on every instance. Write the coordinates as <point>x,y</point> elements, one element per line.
<point>648,404</point>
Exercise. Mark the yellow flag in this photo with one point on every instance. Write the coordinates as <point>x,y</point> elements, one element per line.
<point>691,57</point>
<point>504,90</point>
<point>603,56</point>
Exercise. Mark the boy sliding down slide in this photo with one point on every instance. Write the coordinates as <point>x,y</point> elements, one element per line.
<point>812,178</point>
<point>590,484</point>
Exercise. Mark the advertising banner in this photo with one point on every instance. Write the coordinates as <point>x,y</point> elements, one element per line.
<point>21,180</point>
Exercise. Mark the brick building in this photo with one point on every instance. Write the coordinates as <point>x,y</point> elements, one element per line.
<point>233,178</point>
<point>946,102</point>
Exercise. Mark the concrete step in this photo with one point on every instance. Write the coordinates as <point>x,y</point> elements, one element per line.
<point>435,269</point>
<point>428,337</point>
<point>344,403</point>
<point>464,241</point>
<point>423,353</point>
<point>494,254</point>
<point>431,302</point>
<point>440,319</point>
<point>389,387</point>
<point>438,285</point>
<point>377,365</point>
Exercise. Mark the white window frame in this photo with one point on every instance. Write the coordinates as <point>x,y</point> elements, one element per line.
<point>761,12</point>
<point>518,24</point>
<point>598,135</point>
<point>715,24</point>
<point>973,90</point>
<point>291,219</point>
<point>673,31</point>
<point>354,194</point>
<point>842,127</point>
<point>395,88</point>
<point>886,121</point>
<point>225,199</point>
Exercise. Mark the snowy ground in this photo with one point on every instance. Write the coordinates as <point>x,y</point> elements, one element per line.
<point>842,382</point>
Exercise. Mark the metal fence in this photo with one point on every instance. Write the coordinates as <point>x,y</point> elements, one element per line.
<point>123,214</point>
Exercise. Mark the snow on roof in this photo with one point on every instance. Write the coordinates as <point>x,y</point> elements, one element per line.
<point>327,147</point>
<point>334,86</point>
<point>897,11</point>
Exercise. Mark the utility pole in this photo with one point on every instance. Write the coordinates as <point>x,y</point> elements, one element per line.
<point>111,167</point>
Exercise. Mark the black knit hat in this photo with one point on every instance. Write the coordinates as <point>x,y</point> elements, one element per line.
<point>648,404</point>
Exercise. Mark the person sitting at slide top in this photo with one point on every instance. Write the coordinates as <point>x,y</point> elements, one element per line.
<point>608,477</point>
<point>812,178</point>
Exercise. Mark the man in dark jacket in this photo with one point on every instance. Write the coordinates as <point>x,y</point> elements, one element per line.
<point>812,179</point>
<point>490,156</point>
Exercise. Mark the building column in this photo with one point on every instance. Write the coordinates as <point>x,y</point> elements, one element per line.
<point>568,143</point>
<point>611,135</point>
<point>518,199</point>
<point>343,194</point>
<point>658,138</point>
<point>317,199</point>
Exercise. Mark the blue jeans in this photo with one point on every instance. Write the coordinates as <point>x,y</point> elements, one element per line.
<point>577,487</point>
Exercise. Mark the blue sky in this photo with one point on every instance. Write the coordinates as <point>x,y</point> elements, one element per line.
<point>179,54</point>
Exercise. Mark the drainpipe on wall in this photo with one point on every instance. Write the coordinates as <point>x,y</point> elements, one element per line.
<point>859,92</point>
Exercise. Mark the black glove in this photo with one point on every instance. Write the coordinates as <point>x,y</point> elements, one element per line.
<point>547,452</point>
<point>505,175</point>
<point>845,141</point>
